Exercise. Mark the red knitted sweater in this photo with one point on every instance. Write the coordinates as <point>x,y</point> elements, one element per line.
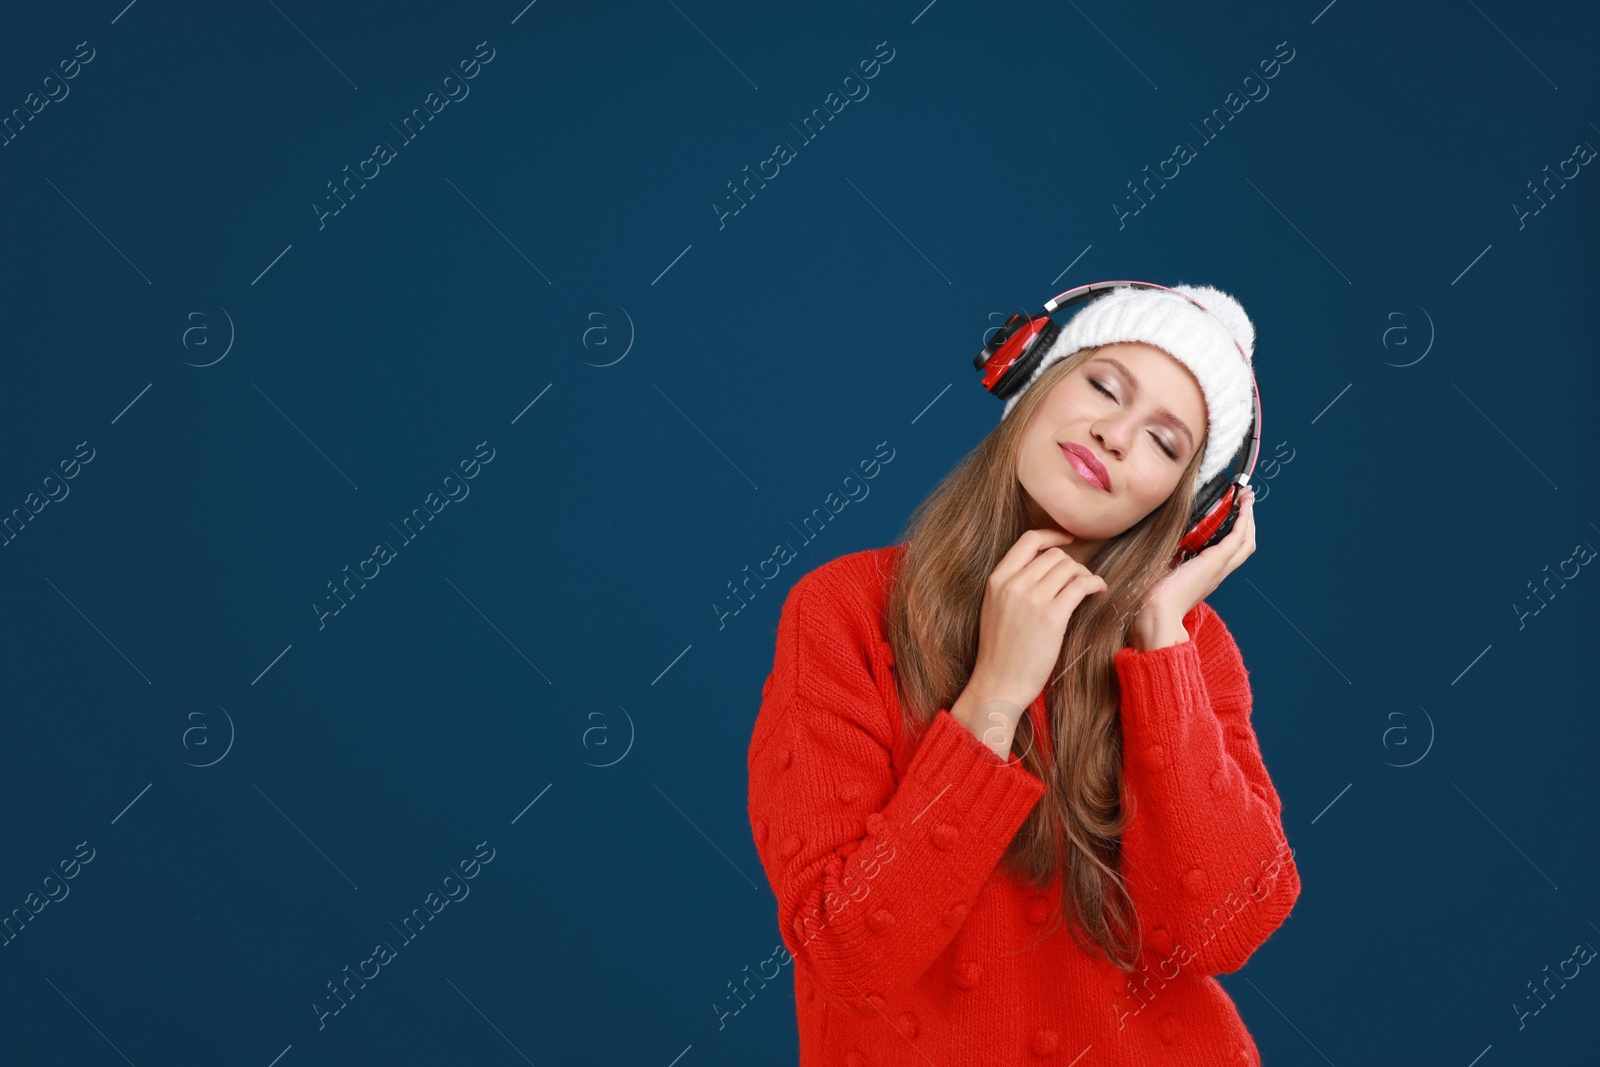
<point>911,946</point>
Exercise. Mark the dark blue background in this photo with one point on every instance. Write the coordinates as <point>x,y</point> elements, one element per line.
<point>553,636</point>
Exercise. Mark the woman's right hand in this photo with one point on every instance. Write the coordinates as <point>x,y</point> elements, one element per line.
<point>1031,595</point>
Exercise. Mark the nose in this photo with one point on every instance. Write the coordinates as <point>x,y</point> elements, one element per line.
<point>1113,440</point>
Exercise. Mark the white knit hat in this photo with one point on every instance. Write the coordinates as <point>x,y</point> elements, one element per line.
<point>1199,339</point>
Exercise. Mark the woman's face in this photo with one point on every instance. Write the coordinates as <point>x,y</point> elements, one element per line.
<point>1134,409</point>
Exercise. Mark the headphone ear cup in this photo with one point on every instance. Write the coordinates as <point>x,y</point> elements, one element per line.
<point>1210,524</point>
<point>1216,504</point>
<point>1021,370</point>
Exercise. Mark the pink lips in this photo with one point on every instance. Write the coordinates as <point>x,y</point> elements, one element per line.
<point>1087,466</point>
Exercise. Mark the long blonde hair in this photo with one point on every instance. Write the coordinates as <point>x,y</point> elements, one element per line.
<point>954,539</point>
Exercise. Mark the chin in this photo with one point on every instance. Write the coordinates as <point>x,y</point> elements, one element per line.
<point>1069,526</point>
<point>1072,516</point>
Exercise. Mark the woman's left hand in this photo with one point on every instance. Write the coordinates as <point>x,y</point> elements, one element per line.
<point>1170,599</point>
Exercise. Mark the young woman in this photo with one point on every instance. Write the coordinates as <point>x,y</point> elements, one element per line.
<point>1003,780</point>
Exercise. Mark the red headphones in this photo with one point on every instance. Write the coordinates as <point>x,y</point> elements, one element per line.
<point>1016,349</point>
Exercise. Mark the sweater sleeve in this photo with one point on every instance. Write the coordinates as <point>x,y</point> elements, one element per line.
<point>1205,855</point>
<point>873,875</point>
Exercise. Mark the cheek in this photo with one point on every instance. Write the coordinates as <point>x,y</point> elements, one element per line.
<point>1149,496</point>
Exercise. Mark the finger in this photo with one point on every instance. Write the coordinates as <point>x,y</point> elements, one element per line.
<point>1245,527</point>
<point>1244,520</point>
<point>1078,588</point>
<point>1225,545</point>
<point>1224,553</point>
<point>1027,549</point>
<point>1038,569</point>
<point>1243,517</point>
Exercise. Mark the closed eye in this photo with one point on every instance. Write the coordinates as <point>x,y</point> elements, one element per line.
<point>1159,442</point>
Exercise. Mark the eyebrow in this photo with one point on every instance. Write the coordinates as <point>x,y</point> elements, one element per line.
<point>1166,413</point>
